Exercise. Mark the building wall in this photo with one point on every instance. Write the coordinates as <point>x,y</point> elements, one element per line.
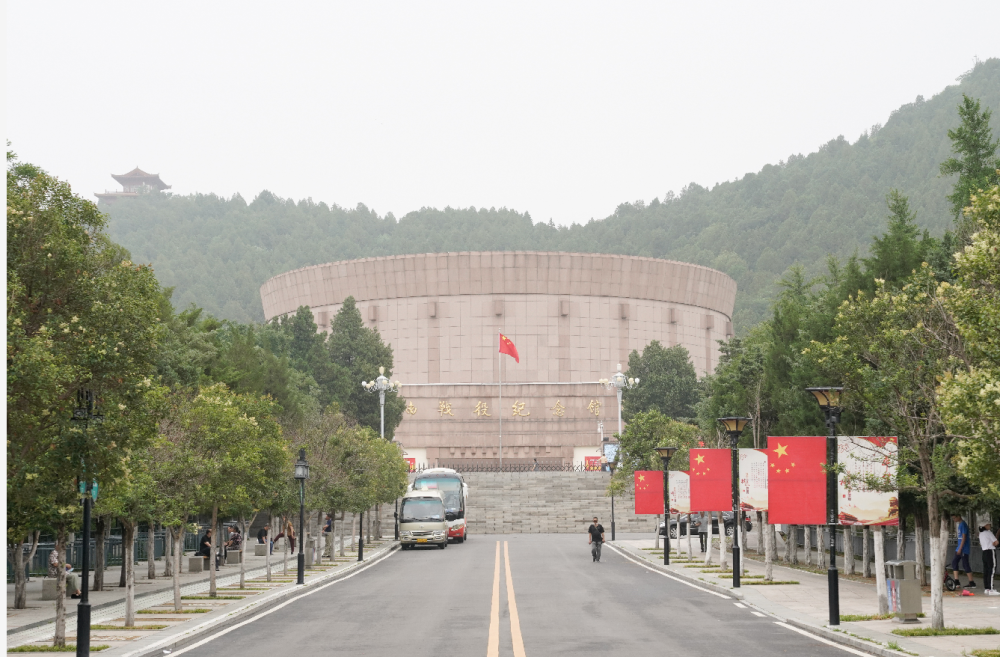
<point>573,317</point>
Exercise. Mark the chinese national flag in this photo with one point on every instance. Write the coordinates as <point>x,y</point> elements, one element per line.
<point>507,347</point>
<point>796,480</point>
<point>649,491</point>
<point>711,480</point>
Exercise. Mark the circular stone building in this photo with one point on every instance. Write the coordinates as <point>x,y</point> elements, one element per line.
<point>572,316</point>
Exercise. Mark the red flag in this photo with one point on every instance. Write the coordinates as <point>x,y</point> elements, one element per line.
<point>711,480</point>
<point>649,491</point>
<point>507,347</point>
<point>796,480</point>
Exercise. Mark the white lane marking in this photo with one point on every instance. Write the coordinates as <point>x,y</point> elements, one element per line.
<point>667,575</point>
<point>740,605</point>
<point>757,613</point>
<point>253,618</point>
<point>822,640</point>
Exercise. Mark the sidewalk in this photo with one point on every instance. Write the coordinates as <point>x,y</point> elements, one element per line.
<point>806,603</point>
<point>35,624</point>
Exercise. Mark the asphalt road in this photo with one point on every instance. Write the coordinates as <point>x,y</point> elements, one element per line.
<point>457,602</point>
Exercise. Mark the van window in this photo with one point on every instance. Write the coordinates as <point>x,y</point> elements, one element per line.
<point>417,509</point>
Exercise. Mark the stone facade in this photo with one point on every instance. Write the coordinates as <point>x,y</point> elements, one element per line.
<point>573,318</point>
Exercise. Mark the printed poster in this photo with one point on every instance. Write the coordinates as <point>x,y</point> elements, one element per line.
<point>680,492</point>
<point>867,456</point>
<point>753,479</point>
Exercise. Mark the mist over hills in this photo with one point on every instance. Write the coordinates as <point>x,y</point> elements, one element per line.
<point>217,252</point>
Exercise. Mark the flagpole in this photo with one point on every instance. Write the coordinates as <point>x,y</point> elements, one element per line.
<point>500,410</point>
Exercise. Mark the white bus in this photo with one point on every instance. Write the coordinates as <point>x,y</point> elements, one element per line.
<point>455,493</point>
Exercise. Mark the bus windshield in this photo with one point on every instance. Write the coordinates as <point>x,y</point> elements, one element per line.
<point>449,487</point>
<point>416,509</point>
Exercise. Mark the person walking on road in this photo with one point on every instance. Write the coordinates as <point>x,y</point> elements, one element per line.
<point>595,536</point>
<point>988,541</point>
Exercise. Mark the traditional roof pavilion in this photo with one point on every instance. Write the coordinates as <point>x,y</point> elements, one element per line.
<point>133,183</point>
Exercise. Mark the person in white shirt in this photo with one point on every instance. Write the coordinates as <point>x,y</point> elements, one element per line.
<point>988,541</point>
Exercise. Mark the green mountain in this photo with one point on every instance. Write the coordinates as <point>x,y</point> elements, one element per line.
<point>217,252</point>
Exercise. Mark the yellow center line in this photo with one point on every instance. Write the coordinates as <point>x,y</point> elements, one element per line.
<point>515,623</point>
<point>493,645</point>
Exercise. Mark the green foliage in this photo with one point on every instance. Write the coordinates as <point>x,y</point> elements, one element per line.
<point>667,383</point>
<point>218,252</point>
<point>646,431</point>
<point>69,647</point>
<point>977,162</point>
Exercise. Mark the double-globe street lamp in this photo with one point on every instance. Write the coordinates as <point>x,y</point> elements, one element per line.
<point>382,385</point>
<point>84,414</point>
<point>734,427</point>
<point>302,473</point>
<point>619,382</point>
<point>666,453</point>
<point>829,401</point>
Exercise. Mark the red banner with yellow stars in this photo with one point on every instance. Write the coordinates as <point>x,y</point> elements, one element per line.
<point>711,472</point>
<point>649,491</point>
<point>796,480</point>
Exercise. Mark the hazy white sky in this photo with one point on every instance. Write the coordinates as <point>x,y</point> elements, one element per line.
<point>563,110</point>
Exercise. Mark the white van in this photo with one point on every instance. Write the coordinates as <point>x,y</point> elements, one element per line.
<point>422,520</point>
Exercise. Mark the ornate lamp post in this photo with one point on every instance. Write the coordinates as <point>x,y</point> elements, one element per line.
<point>302,473</point>
<point>734,427</point>
<point>829,401</point>
<point>84,414</point>
<point>612,466</point>
<point>666,453</point>
<point>619,382</point>
<point>383,385</point>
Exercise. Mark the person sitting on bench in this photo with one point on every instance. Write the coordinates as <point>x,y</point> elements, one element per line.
<point>72,581</point>
<point>205,547</point>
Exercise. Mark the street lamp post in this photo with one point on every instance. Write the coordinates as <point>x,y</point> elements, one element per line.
<point>302,473</point>
<point>612,465</point>
<point>383,385</point>
<point>734,427</point>
<point>666,453</point>
<point>84,414</point>
<point>829,401</point>
<point>619,382</point>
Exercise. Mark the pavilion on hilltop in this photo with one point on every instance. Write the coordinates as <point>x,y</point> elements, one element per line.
<point>133,183</point>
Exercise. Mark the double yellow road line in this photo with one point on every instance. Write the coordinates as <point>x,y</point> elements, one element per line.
<point>493,645</point>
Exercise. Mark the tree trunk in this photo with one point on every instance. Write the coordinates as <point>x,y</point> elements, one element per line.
<point>59,639</point>
<point>128,558</point>
<point>939,562</point>
<point>866,551</point>
<point>284,572</point>
<point>723,558</point>
<point>901,539</point>
<point>267,545</point>
<point>690,554</point>
<point>807,543</point>
<point>791,545</point>
<point>20,565</point>
<point>121,579</point>
<point>880,585</point>
<point>100,552</point>
<point>761,547</point>
<point>918,529</point>
<point>212,591</point>
<point>354,535</point>
<point>343,519</point>
<point>849,565</point>
<point>151,550</point>
<point>769,548</point>
<point>368,525</point>
<point>177,537</point>
<point>168,551</point>
<point>246,541</point>
<point>378,521</point>
<point>656,533</point>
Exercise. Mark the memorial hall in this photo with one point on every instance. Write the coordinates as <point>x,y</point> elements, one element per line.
<point>572,316</point>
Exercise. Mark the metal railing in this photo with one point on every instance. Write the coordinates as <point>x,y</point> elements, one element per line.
<point>486,466</point>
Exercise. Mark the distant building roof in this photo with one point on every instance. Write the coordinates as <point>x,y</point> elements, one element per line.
<point>137,177</point>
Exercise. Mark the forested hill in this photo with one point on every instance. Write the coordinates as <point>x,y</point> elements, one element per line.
<point>217,252</point>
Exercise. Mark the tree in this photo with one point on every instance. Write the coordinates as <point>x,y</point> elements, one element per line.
<point>668,382</point>
<point>636,447</point>
<point>970,399</point>
<point>739,387</point>
<point>976,163</point>
<point>899,251</point>
<point>356,353</point>
<point>890,351</point>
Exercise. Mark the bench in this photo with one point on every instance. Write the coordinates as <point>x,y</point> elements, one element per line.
<point>49,588</point>
<point>196,564</point>
<point>260,549</point>
<point>233,557</point>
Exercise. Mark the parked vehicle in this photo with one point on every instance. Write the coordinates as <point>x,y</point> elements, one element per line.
<point>422,520</point>
<point>727,518</point>
<point>454,491</point>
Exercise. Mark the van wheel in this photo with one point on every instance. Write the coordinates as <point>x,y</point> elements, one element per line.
<point>445,544</point>
<point>459,539</point>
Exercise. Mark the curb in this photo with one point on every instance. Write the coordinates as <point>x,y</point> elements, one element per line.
<point>822,632</point>
<point>185,638</point>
